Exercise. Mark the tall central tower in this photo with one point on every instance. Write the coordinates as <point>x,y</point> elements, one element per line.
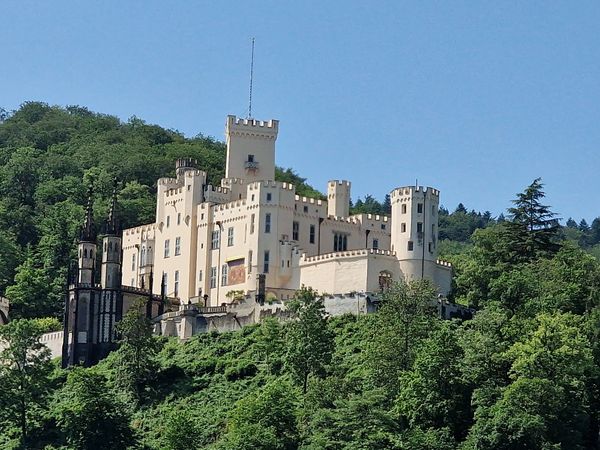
<point>250,148</point>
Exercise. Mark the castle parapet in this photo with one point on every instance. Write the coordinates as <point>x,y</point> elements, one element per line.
<point>263,128</point>
<point>410,190</point>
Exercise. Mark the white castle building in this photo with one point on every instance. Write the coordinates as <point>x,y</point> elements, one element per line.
<point>211,245</point>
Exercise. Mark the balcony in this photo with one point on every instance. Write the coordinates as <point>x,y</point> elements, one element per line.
<point>251,165</point>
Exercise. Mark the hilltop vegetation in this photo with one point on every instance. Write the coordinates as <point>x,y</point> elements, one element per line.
<point>523,374</point>
<point>48,158</point>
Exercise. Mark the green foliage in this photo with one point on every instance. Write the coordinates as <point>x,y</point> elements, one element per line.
<point>406,318</point>
<point>133,364</point>
<point>48,157</point>
<point>265,419</point>
<point>25,372</point>
<point>88,414</point>
<point>309,342</point>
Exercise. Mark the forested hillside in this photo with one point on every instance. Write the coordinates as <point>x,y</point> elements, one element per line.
<point>524,373</point>
<point>49,156</point>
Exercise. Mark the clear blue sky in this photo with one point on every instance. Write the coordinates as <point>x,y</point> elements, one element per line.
<point>474,98</point>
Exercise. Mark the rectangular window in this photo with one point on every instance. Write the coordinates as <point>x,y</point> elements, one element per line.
<point>431,247</point>
<point>403,228</point>
<point>433,210</point>
<point>250,158</point>
<point>410,246</point>
<point>252,217</point>
<point>419,208</point>
<point>177,246</point>
<point>375,244</point>
<point>419,227</point>
<point>306,209</point>
<point>215,240</point>
<point>295,230</point>
<point>340,242</point>
<point>404,208</point>
<point>200,275</point>
<point>230,237</point>
<point>166,283</point>
<point>311,236</point>
<point>383,226</point>
<point>224,268</point>
<point>168,221</point>
<point>178,218</point>
<point>167,248</point>
<point>176,289</point>
<point>266,262</point>
<point>249,261</point>
<point>213,277</point>
<point>268,223</point>
<point>133,263</point>
<point>269,196</point>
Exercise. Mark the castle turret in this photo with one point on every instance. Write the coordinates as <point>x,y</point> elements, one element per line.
<point>111,249</point>
<point>338,198</point>
<point>250,149</point>
<point>414,229</point>
<point>86,262</point>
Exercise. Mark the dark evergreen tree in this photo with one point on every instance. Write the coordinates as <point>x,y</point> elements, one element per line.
<point>533,229</point>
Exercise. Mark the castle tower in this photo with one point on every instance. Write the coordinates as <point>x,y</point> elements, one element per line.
<point>87,246</point>
<point>338,198</point>
<point>250,148</point>
<point>111,250</point>
<point>415,229</point>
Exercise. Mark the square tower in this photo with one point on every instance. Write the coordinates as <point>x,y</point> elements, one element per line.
<point>250,149</point>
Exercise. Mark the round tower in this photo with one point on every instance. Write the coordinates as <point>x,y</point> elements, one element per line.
<point>184,164</point>
<point>414,233</point>
<point>338,198</point>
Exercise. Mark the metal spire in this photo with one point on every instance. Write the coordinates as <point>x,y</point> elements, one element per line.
<point>251,80</point>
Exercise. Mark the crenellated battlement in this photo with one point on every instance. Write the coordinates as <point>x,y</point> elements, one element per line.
<point>333,183</point>
<point>231,181</point>
<point>167,181</point>
<point>372,217</point>
<point>219,189</point>
<point>412,190</point>
<point>346,254</point>
<point>229,205</point>
<point>251,125</point>
<point>140,229</point>
<point>440,262</point>
<point>309,200</point>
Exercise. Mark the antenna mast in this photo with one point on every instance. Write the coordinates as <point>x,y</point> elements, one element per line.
<point>251,79</point>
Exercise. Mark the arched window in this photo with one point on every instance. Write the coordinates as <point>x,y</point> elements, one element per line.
<point>385,280</point>
<point>85,252</point>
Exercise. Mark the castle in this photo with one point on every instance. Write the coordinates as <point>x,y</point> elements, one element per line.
<point>244,245</point>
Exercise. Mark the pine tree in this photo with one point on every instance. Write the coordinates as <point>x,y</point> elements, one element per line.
<point>533,229</point>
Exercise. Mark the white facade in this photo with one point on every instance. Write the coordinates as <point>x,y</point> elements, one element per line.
<point>215,240</point>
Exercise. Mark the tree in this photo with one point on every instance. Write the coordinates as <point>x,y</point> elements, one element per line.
<point>270,345</point>
<point>266,419</point>
<point>432,393</point>
<point>134,363</point>
<point>32,294</point>
<point>25,371</point>
<point>89,415</point>
<point>533,229</point>
<point>309,342</point>
<point>405,318</point>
